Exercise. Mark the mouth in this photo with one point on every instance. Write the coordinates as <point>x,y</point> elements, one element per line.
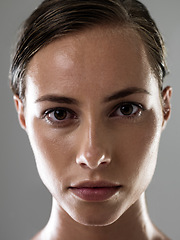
<point>95,191</point>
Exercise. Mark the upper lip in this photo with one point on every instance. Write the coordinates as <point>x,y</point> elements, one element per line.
<point>94,184</point>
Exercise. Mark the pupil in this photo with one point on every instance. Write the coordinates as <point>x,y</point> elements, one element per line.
<point>60,114</point>
<point>127,109</point>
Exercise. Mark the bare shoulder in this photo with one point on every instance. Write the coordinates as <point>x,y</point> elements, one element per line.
<point>37,237</point>
<point>160,236</point>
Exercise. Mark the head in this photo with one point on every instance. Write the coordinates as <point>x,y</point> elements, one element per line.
<point>87,78</point>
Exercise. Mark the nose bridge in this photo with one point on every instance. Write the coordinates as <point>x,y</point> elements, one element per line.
<point>93,145</point>
<point>93,142</point>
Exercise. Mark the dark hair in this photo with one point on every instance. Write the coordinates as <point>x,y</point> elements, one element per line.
<point>56,18</point>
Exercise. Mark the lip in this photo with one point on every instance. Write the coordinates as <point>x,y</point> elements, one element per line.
<point>95,191</point>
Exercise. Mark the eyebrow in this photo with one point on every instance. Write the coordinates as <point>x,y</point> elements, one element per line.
<point>57,99</point>
<point>68,100</point>
<point>126,92</point>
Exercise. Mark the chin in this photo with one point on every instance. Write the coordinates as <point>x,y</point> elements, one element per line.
<point>95,221</point>
<point>103,216</point>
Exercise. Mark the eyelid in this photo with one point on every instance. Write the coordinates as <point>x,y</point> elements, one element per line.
<point>59,123</point>
<point>139,105</point>
<point>50,110</point>
<point>132,103</point>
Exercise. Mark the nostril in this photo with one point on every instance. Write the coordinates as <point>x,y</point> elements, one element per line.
<point>89,163</point>
<point>92,161</point>
<point>104,160</point>
<point>104,163</point>
<point>83,165</point>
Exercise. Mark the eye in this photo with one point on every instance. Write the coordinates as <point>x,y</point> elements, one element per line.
<point>59,115</point>
<point>127,110</point>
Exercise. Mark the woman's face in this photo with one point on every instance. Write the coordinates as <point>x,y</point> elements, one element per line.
<point>94,118</point>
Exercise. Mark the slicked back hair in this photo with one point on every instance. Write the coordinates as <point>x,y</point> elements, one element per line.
<point>57,18</point>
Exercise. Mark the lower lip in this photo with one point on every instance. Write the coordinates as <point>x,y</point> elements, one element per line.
<point>96,194</point>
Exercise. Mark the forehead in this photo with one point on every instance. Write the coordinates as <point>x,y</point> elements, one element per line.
<point>101,59</point>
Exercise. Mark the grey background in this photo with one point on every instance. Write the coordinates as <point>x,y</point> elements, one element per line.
<point>24,201</point>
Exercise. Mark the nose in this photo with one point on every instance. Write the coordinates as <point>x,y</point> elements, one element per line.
<point>94,150</point>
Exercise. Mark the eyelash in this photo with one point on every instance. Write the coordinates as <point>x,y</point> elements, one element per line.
<point>69,115</point>
<point>136,113</point>
<point>68,112</point>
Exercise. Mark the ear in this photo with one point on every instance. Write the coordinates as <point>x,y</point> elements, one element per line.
<point>166,96</point>
<point>20,111</point>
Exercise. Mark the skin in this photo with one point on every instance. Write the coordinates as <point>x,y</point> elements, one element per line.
<point>95,141</point>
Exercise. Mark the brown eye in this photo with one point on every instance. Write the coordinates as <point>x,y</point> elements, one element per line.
<point>60,114</point>
<point>127,109</point>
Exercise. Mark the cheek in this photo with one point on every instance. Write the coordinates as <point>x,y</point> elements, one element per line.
<point>52,151</point>
<point>138,151</point>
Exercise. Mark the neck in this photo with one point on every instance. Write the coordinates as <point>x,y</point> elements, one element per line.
<point>133,224</point>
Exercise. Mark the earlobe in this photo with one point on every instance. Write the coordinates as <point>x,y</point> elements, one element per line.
<point>166,96</point>
<point>20,111</point>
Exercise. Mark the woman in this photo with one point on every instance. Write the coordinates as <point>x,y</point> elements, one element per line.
<point>87,78</point>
